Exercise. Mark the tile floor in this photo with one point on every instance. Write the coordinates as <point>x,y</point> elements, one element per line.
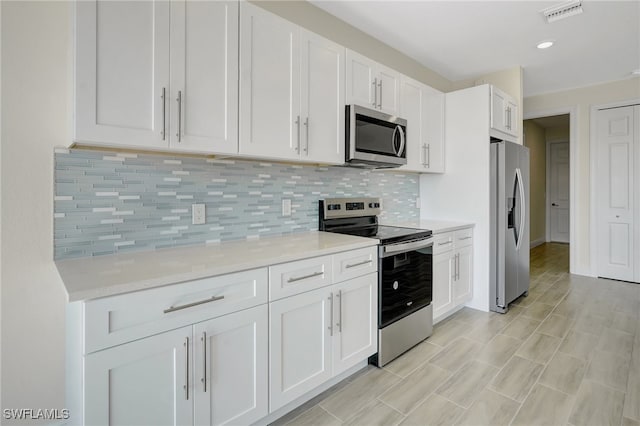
<point>568,354</point>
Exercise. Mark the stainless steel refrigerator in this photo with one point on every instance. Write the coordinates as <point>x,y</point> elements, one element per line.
<point>509,248</point>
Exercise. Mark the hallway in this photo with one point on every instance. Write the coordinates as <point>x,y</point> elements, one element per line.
<point>569,353</point>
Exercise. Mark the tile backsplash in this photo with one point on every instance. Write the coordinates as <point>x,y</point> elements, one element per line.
<point>107,202</point>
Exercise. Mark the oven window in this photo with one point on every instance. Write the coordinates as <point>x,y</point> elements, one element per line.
<point>405,284</point>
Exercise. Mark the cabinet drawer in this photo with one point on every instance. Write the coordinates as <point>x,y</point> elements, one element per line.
<point>464,237</point>
<point>292,278</point>
<point>118,319</point>
<point>442,243</point>
<point>354,263</point>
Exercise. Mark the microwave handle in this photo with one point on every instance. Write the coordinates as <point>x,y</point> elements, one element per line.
<point>393,140</point>
<point>402,140</point>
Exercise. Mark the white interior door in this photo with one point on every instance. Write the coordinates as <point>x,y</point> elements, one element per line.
<point>559,191</point>
<point>615,192</point>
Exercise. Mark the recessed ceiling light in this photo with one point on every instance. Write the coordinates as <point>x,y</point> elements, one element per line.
<point>636,72</point>
<point>545,44</point>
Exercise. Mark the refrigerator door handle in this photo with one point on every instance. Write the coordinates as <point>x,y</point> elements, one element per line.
<point>522,208</point>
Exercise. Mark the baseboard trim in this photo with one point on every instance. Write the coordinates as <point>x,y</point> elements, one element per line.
<point>538,242</point>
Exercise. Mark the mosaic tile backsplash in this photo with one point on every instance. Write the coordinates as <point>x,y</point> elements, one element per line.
<point>108,203</point>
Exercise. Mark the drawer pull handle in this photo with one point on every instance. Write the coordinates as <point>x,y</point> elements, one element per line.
<point>464,238</point>
<point>315,274</point>
<point>444,244</point>
<point>189,305</point>
<point>353,265</point>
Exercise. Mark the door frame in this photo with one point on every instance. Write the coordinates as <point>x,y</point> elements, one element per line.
<point>593,168</point>
<point>573,157</point>
<point>547,202</point>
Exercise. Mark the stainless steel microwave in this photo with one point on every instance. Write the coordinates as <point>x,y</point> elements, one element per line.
<point>374,139</point>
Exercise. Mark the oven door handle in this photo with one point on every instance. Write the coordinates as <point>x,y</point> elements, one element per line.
<point>391,249</point>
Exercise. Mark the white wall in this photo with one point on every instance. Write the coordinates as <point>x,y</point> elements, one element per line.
<point>582,99</point>
<point>462,192</point>
<point>36,41</point>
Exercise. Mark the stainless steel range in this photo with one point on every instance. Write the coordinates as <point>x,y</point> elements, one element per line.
<point>405,273</point>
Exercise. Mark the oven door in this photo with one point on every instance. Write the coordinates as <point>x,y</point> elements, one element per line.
<point>406,279</point>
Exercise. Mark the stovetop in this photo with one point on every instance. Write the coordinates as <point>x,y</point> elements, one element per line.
<point>358,216</point>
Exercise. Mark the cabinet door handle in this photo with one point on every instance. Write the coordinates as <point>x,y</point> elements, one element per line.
<point>298,132</point>
<point>204,361</point>
<point>380,101</point>
<point>306,129</point>
<point>331,313</point>
<point>186,368</point>
<point>315,274</point>
<point>179,100</point>
<point>353,265</point>
<point>465,238</point>
<point>423,160</point>
<point>190,305</point>
<point>164,113</point>
<point>445,243</point>
<point>428,155</point>
<point>339,311</point>
<point>375,92</point>
<point>458,266</point>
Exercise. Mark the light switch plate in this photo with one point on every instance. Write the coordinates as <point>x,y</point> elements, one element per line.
<point>198,215</point>
<point>417,202</point>
<point>286,207</point>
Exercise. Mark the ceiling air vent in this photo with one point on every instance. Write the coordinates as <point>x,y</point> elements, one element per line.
<point>561,11</point>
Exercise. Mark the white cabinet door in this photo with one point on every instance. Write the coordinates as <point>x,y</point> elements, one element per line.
<point>462,285</point>
<point>355,321</point>
<point>498,109</point>
<point>360,84</point>
<point>204,76</point>
<point>146,382</point>
<point>299,345</point>
<point>433,129</point>
<point>322,106</point>
<point>411,110</point>
<point>442,284</point>
<point>122,72</point>
<point>388,90</point>
<point>231,367</point>
<point>270,124</point>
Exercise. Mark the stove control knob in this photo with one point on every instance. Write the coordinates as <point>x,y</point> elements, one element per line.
<point>395,285</point>
<point>376,205</point>
<point>370,205</point>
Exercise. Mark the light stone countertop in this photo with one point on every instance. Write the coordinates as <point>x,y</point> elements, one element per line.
<point>100,276</point>
<point>436,226</point>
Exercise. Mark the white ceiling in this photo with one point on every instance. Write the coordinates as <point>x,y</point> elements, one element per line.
<point>465,39</point>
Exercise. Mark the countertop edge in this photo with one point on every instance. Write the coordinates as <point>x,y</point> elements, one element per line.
<point>123,288</point>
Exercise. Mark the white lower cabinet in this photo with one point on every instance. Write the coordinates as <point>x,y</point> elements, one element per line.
<point>319,334</point>
<point>230,368</point>
<point>452,272</point>
<point>211,373</point>
<point>140,383</point>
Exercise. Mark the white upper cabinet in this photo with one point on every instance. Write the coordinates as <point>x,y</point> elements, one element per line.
<point>204,76</point>
<point>423,108</point>
<point>122,73</point>
<point>291,91</point>
<point>125,55</point>
<point>504,113</point>
<point>371,84</point>
<point>322,106</point>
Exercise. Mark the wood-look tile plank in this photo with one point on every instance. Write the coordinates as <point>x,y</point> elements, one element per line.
<point>464,386</point>
<point>609,369</point>
<point>579,345</point>
<point>316,416</point>
<point>498,351</point>
<point>539,348</point>
<point>490,409</point>
<point>413,359</point>
<point>544,406</point>
<point>357,394</point>
<point>597,404</point>
<point>455,354</point>
<point>409,393</point>
<point>564,373</point>
<point>538,311</point>
<point>555,325</point>
<point>445,332</point>
<point>521,328</point>
<point>376,414</point>
<point>517,378</point>
<point>434,411</point>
